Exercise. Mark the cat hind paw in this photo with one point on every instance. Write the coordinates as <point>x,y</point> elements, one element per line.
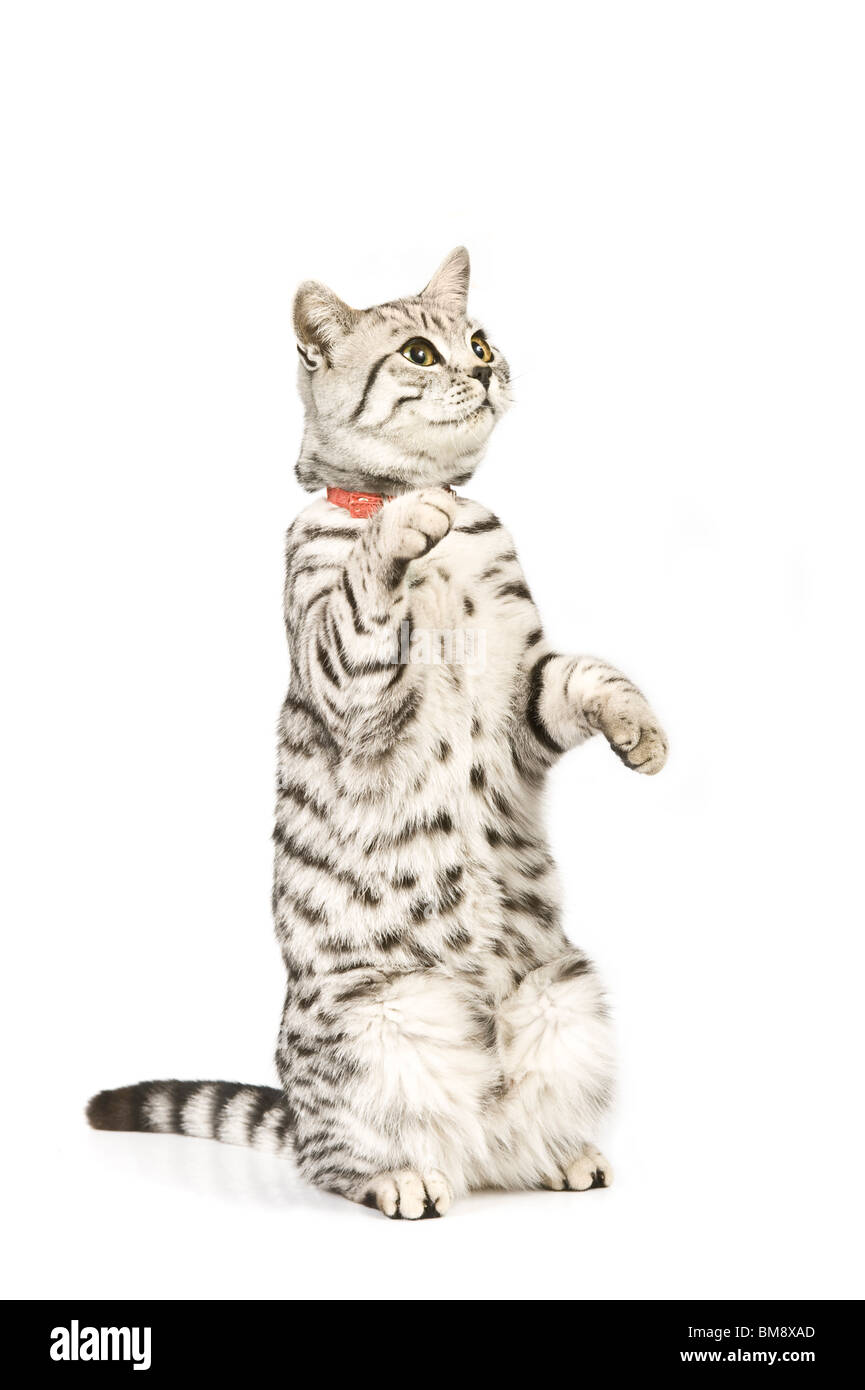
<point>589,1169</point>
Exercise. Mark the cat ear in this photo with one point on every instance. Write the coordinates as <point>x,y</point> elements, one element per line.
<point>320,320</point>
<point>450,284</point>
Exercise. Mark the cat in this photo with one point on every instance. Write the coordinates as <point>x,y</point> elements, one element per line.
<point>440,1031</point>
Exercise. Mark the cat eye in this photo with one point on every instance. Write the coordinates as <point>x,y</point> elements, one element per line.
<point>481,348</point>
<point>419,351</point>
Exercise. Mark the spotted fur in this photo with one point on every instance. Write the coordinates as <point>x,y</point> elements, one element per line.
<point>440,1031</point>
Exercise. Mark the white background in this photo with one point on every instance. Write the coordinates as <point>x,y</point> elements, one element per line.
<point>664,206</point>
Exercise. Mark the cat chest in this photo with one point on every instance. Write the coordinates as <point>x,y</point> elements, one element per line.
<point>469,635</point>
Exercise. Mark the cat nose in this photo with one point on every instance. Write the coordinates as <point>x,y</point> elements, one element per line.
<point>483,374</point>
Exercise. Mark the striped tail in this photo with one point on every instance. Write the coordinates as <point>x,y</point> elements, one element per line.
<point>255,1116</point>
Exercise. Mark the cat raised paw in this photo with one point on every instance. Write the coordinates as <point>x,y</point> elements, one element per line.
<point>632,731</point>
<point>417,521</point>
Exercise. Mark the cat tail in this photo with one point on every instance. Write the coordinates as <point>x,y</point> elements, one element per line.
<point>257,1117</point>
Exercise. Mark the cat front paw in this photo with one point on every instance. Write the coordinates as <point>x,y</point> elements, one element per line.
<point>407,1195</point>
<point>417,521</point>
<point>632,730</point>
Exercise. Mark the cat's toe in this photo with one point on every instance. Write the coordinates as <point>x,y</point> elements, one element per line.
<point>554,1182</point>
<point>622,731</point>
<point>439,1193</point>
<point>383,1193</point>
<point>589,1169</point>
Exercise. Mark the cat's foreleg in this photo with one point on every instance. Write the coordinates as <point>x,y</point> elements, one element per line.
<point>572,697</point>
<point>348,646</point>
<point>405,529</point>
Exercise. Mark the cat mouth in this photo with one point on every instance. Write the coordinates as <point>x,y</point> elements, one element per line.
<point>466,419</point>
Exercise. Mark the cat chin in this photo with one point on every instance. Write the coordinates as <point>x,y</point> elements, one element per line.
<point>453,439</point>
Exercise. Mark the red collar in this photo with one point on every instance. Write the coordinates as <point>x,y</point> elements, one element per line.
<point>357,504</point>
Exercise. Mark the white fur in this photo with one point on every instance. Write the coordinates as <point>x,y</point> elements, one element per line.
<point>197,1115</point>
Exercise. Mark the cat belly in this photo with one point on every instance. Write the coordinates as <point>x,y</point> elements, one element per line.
<point>450,871</point>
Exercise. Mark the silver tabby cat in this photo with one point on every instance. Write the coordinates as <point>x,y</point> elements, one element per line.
<point>440,1031</point>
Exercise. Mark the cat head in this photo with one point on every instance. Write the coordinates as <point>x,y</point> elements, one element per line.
<point>400,396</point>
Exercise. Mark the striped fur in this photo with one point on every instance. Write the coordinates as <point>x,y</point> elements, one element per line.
<point>440,1032</point>
<point>257,1116</point>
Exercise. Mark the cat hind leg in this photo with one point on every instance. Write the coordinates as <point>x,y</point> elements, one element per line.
<point>559,1070</point>
<point>405,1087</point>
